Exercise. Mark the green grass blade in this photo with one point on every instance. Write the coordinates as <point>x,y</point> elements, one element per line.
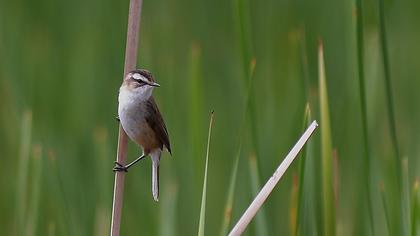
<point>195,100</point>
<point>103,156</point>
<point>260,219</point>
<point>243,28</point>
<point>385,206</point>
<point>168,209</point>
<point>414,208</point>
<point>22,173</point>
<point>405,193</point>
<point>251,104</point>
<point>227,216</point>
<point>229,201</point>
<point>196,91</point>
<point>203,199</point>
<point>61,221</point>
<point>391,114</point>
<point>302,161</point>
<point>326,150</point>
<point>363,105</point>
<point>293,208</point>
<point>34,201</point>
<point>387,73</point>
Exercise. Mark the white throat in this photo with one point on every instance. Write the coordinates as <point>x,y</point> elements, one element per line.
<point>128,97</point>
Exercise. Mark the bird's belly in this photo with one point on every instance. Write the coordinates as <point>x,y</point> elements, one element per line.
<point>134,124</point>
<point>131,120</point>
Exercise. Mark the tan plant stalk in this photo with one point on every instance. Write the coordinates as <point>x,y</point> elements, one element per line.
<point>129,64</point>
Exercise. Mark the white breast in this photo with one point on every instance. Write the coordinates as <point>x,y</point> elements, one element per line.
<point>131,112</point>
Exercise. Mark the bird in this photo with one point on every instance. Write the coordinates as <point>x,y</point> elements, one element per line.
<point>142,121</point>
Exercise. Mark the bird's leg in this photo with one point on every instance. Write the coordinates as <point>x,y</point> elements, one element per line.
<point>135,161</point>
<point>119,167</point>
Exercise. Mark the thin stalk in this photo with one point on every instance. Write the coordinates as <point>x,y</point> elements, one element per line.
<point>203,198</point>
<point>261,228</point>
<point>391,113</point>
<point>227,217</point>
<point>134,16</point>
<point>326,150</point>
<point>272,182</point>
<point>102,155</point>
<point>168,216</point>
<point>385,206</point>
<point>197,136</point>
<point>243,27</point>
<point>306,120</point>
<point>336,174</point>
<point>22,172</point>
<point>62,206</point>
<point>362,92</point>
<point>229,202</point>
<point>33,213</point>
<point>387,73</point>
<point>405,184</point>
<point>293,205</point>
<point>415,206</point>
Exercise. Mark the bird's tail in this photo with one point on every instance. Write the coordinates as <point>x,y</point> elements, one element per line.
<point>155,174</point>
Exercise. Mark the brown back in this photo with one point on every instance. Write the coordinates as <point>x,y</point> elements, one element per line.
<point>156,122</point>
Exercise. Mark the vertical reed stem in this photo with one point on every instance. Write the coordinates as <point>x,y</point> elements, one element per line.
<point>134,15</point>
<point>391,115</point>
<point>362,90</point>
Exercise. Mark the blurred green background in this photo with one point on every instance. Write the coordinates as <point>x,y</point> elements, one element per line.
<point>61,64</point>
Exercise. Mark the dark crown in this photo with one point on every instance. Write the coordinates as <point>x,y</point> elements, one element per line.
<point>144,73</point>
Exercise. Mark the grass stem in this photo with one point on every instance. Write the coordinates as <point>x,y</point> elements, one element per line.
<point>414,208</point>
<point>272,182</point>
<point>326,150</point>
<point>203,198</point>
<point>134,16</point>
<point>301,178</point>
<point>385,206</point>
<point>22,172</point>
<point>363,105</point>
<point>391,114</point>
<point>227,216</point>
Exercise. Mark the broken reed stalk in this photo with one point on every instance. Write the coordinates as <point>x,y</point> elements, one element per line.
<point>134,16</point>
<point>272,182</point>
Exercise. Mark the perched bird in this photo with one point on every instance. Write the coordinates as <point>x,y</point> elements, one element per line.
<point>141,120</point>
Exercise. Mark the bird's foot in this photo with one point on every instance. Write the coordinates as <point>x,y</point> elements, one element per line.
<point>117,118</point>
<point>119,167</point>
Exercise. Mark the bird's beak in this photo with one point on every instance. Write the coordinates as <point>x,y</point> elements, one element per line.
<point>154,84</point>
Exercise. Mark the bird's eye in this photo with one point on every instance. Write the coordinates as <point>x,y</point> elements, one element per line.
<point>141,82</point>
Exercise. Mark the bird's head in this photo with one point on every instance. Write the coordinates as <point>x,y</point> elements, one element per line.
<point>140,83</point>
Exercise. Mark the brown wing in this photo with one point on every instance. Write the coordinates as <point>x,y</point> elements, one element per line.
<point>156,122</point>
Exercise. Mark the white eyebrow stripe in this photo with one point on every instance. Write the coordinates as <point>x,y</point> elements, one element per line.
<point>138,76</point>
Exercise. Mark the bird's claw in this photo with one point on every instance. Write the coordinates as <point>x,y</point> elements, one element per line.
<point>119,167</point>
